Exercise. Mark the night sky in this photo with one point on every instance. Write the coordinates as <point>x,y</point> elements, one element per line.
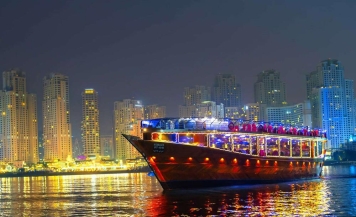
<point>151,50</point>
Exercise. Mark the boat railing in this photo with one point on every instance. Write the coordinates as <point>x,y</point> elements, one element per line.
<point>230,125</point>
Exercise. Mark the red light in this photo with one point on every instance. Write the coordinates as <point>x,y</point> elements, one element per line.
<point>267,162</point>
<point>275,163</point>
<point>190,159</point>
<point>172,158</point>
<point>153,158</point>
<point>207,159</point>
<point>235,160</point>
<point>222,160</point>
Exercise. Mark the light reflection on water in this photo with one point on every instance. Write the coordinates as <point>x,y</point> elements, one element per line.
<point>136,194</point>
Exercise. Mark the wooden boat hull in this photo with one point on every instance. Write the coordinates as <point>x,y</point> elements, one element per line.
<point>190,166</point>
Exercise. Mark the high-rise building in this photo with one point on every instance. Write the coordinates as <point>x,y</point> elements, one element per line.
<point>269,89</point>
<point>235,113</point>
<point>57,133</point>
<point>313,80</point>
<point>18,122</point>
<point>107,145</point>
<point>194,98</point>
<point>332,101</point>
<point>78,148</point>
<point>226,90</point>
<point>252,111</point>
<point>127,119</point>
<point>294,115</point>
<point>207,109</point>
<point>196,95</point>
<point>40,147</point>
<point>90,122</point>
<point>154,111</point>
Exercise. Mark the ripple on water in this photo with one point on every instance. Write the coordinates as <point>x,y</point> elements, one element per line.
<point>141,195</point>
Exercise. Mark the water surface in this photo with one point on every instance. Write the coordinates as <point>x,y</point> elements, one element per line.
<point>136,194</point>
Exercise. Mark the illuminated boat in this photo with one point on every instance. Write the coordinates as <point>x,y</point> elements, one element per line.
<point>198,152</point>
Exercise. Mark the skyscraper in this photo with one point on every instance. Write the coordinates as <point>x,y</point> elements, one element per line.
<point>90,122</point>
<point>227,91</point>
<point>154,111</point>
<point>18,122</point>
<point>332,101</point>
<point>235,113</point>
<point>196,95</point>
<point>269,89</point>
<point>107,145</point>
<point>295,115</point>
<point>252,111</point>
<point>207,109</point>
<point>127,119</point>
<point>57,140</point>
<point>193,99</point>
<point>313,80</point>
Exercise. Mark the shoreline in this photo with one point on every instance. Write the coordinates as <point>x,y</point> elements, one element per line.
<point>49,173</point>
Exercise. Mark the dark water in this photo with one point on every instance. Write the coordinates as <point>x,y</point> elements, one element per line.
<point>137,194</point>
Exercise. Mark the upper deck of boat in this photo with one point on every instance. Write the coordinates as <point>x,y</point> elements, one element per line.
<point>237,127</point>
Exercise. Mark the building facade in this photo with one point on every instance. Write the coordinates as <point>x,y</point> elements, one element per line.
<point>226,90</point>
<point>57,133</point>
<point>207,109</point>
<point>90,122</point>
<point>107,146</point>
<point>252,112</point>
<point>294,115</point>
<point>128,114</point>
<point>269,89</point>
<point>196,95</point>
<point>154,111</point>
<point>332,102</point>
<point>235,113</point>
<point>18,122</point>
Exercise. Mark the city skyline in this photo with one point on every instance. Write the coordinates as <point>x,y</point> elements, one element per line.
<point>251,100</point>
<point>150,58</point>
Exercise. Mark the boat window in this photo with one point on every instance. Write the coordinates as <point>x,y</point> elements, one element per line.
<point>155,136</point>
<point>221,141</point>
<point>254,145</point>
<point>315,144</point>
<point>261,149</point>
<point>320,147</point>
<point>185,138</point>
<point>305,149</point>
<point>200,139</point>
<point>295,148</point>
<point>284,147</point>
<point>168,137</point>
<point>241,144</point>
<point>272,147</point>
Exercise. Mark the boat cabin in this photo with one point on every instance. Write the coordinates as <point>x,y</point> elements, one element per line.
<point>245,137</point>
